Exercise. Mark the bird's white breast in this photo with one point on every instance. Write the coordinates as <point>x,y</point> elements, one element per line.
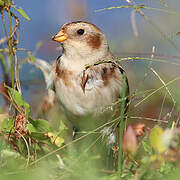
<point>93,99</point>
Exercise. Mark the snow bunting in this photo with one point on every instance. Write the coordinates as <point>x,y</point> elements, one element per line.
<point>80,88</point>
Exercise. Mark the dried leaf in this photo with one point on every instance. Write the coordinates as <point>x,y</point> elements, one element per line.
<point>20,125</point>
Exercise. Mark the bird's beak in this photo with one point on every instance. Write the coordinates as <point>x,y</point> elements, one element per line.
<point>60,36</point>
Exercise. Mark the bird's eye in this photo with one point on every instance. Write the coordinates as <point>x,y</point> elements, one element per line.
<point>80,31</point>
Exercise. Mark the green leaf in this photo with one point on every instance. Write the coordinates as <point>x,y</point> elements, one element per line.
<point>40,125</point>
<point>40,136</point>
<point>7,125</point>
<point>1,3</point>
<point>41,130</point>
<point>17,97</point>
<point>57,140</point>
<point>156,139</point>
<point>21,12</point>
<point>62,128</point>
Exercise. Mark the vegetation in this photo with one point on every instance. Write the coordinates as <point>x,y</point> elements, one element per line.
<point>41,146</point>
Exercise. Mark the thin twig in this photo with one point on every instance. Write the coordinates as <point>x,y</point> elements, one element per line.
<point>156,55</point>
<point>27,146</point>
<point>2,16</point>
<point>10,100</point>
<point>150,63</point>
<point>162,105</point>
<point>174,102</point>
<point>163,84</point>
<point>15,28</point>
<point>16,72</point>
<point>11,47</point>
<point>170,82</point>
<point>137,9</point>
<point>145,58</point>
<point>146,118</point>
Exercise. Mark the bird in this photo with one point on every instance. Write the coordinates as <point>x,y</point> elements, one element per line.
<point>84,90</point>
<point>86,77</point>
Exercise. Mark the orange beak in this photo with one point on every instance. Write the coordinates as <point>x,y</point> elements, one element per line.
<point>60,36</point>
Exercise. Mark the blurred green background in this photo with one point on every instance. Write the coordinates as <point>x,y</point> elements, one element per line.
<point>118,24</point>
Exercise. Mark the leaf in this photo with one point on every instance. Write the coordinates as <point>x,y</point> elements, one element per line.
<point>1,3</point>
<point>31,128</point>
<point>17,97</point>
<point>21,12</point>
<point>7,125</point>
<point>40,136</point>
<point>40,125</point>
<point>41,130</point>
<point>57,140</point>
<point>62,128</point>
<point>31,57</point>
<point>156,139</point>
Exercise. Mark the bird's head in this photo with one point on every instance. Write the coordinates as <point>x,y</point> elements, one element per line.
<point>82,39</point>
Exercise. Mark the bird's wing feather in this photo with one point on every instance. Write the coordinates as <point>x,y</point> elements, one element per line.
<point>105,76</point>
<point>102,75</point>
